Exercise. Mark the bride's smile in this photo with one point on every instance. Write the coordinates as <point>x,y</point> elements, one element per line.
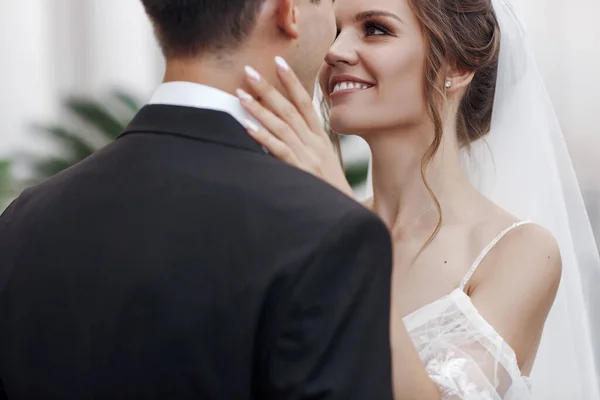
<point>344,84</point>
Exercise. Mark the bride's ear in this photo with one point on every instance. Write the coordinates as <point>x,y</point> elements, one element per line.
<point>286,16</point>
<point>457,79</point>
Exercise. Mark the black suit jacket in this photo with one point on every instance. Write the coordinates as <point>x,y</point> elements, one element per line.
<point>182,262</point>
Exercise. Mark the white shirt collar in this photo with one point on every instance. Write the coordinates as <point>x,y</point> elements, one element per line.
<point>188,94</point>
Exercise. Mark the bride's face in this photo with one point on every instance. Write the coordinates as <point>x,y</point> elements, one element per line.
<point>373,75</point>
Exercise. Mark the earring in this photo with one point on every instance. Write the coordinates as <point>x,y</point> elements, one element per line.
<point>448,84</point>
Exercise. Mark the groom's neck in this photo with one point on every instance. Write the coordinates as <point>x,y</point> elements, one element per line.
<point>224,73</point>
<point>220,74</point>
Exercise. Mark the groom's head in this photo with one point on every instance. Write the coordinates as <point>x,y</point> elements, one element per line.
<point>299,30</point>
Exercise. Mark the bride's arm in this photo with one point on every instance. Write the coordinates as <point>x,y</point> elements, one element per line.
<point>515,286</point>
<point>410,378</point>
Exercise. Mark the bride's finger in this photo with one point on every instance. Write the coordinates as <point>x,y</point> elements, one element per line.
<point>277,103</point>
<point>273,144</point>
<point>270,121</point>
<point>299,96</point>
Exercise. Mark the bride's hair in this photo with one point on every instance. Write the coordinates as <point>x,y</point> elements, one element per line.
<point>462,34</point>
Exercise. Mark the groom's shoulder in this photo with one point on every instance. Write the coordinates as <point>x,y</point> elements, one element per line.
<point>296,197</point>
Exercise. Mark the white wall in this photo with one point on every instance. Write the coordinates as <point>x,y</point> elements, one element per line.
<point>53,48</point>
<point>28,90</point>
<point>121,48</point>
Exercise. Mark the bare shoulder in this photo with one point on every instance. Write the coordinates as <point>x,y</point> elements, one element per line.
<point>516,287</point>
<point>527,259</point>
<point>527,255</point>
<point>531,252</point>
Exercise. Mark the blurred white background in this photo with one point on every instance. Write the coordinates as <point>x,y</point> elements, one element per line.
<point>54,48</point>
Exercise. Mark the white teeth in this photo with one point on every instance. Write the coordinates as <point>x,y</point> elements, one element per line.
<point>349,86</point>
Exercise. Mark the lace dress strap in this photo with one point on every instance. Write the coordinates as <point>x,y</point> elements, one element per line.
<point>486,250</point>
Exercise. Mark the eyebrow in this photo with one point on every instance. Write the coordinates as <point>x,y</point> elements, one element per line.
<point>361,16</point>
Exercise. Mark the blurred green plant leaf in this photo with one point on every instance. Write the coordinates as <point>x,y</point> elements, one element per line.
<point>75,147</point>
<point>6,189</point>
<point>96,123</point>
<point>356,174</point>
<point>96,115</point>
<point>127,100</point>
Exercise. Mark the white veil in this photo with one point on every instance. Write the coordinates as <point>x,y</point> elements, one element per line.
<point>523,166</point>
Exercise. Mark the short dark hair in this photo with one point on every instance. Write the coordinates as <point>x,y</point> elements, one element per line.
<point>189,27</point>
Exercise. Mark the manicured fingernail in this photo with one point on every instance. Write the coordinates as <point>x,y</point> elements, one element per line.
<point>251,126</point>
<point>282,64</point>
<point>252,73</point>
<point>244,96</point>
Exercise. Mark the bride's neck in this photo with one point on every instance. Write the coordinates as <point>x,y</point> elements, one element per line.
<point>399,191</point>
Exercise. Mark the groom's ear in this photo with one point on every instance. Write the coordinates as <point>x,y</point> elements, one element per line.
<point>286,15</point>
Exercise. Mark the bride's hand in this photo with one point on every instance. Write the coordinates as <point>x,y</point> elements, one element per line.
<point>292,129</point>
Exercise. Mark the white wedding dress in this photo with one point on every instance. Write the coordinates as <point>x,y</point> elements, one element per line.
<point>463,354</point>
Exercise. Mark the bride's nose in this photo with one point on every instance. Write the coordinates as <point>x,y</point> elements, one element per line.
<point>342,51</point>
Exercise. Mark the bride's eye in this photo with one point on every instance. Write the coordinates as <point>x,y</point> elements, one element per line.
<point>375,29</point>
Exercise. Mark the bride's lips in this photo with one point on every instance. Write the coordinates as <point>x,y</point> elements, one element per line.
<point>340,85</point>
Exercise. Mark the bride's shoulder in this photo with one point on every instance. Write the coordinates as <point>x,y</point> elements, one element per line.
<point>526,251</point>
<point>517,284</point>
<point>528,254</point>
<point>532,244</point>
